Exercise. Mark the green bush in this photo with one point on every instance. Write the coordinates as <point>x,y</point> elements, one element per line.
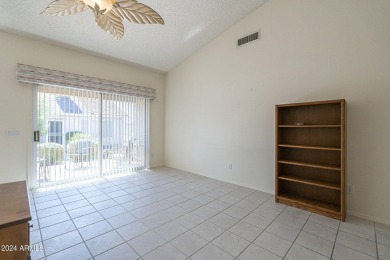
<point>70,135</point>
<point>83,150</point>
<point>53,153</point>
<point>79,135</point>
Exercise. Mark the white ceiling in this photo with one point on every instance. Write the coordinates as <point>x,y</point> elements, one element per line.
<point>189,25</point>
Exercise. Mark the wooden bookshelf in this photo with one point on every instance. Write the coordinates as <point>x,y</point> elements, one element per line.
<point>310,156</point>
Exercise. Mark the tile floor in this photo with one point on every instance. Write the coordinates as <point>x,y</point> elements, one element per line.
<point>170,214</point>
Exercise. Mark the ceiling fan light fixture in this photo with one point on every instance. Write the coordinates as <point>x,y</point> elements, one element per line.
<point>105,5</point>
<point>108,13</point>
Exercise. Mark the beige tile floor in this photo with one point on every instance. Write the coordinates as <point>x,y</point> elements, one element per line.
<point>170,214</point>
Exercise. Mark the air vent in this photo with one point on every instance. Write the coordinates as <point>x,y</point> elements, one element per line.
<point>248,39</point>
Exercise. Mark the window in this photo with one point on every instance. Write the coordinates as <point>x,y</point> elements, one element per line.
<point>55,132</point>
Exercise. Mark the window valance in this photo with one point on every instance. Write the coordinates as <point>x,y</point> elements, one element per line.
<point>43,76</point>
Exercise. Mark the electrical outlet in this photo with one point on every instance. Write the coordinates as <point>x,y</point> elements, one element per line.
<point>350,188</point>
<point>230,166</point>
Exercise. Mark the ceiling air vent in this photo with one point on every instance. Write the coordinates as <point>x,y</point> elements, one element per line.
<point>248,39</point>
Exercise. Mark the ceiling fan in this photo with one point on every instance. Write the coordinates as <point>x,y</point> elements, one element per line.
<point>108,13</point>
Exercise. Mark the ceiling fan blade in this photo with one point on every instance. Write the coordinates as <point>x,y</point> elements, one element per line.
<point>64,7</point>
<point>110,23</point>
<point>136,12</point>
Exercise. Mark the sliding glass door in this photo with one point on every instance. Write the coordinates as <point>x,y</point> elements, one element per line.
<point>124,133</point>
<point>86,134</point>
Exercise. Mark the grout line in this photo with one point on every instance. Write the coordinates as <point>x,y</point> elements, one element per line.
<point>102,216</point>
<point>189,187</point>
<point>360,252</point>
<point>274,220</point>
<point>152,214</point>
<point>334,244</point>
<point>298,236</point>
<point>177,205</point>
<point>104,219</point>
<point>71,219</point>
<point>251,242</point>
<point>40,232</point>
<point>376,241</point>
<point>204,220</point>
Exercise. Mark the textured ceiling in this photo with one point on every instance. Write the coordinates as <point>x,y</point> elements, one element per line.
<point>189,25</point>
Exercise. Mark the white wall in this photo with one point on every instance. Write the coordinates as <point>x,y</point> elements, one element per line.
<point>16,98</point>
<point>220,102</point>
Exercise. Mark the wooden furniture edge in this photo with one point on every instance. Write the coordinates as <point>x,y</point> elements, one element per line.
<point>27,217</point>
<point>323,102</point>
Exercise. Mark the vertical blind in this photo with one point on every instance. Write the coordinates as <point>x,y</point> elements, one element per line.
<point>125,137</point>
<point>86,134</point>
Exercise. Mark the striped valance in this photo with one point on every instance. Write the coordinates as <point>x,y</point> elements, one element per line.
<point>37,75</point>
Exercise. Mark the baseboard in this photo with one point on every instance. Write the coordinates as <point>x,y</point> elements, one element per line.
<point>368,217</point>
<point>225,180</point>
<point>241,184</point>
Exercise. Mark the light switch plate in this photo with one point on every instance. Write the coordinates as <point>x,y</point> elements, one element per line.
<point>13,132</point>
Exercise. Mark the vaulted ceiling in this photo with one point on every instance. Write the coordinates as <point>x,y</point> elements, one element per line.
<point>189,25</point>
